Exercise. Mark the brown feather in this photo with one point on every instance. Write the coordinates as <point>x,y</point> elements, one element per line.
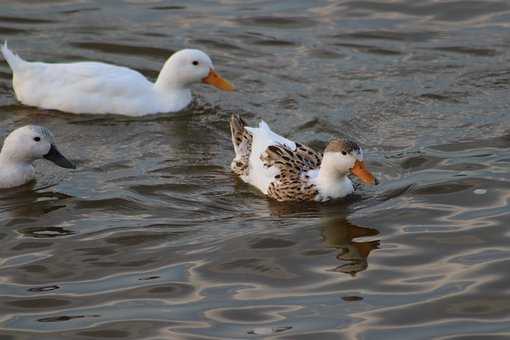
<point>242,140</point>
<point>292,182</point>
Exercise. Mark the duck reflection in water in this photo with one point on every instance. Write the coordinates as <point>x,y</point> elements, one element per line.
<point>341,234</point>
<point>336,231</point>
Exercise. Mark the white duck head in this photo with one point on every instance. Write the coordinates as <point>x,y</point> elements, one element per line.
<point>31,142</point>
<point>342,157</point>
<point>189,66</point>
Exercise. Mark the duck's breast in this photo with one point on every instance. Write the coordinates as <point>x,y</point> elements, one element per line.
<point>12,175</point>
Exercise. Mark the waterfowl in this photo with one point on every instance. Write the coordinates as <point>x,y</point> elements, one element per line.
<point>288,171</point>
<point>95,87</point>
<point>21,148</point>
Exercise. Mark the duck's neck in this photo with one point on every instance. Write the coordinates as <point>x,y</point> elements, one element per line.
<point>12,158</point>
<point>332,183</point>
<point>172,94</point>
<point>14,172</point>
<point>168,79</point>
<point>168,84</point>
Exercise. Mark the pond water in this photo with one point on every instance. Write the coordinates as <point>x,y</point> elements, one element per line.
<point>152,236</point>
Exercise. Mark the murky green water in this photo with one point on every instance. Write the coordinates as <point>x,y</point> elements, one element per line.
<point>153,237</point>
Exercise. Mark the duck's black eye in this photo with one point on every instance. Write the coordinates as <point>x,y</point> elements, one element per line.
<point>344,153</point>
<point>195,62</point>
<point>37,139</point>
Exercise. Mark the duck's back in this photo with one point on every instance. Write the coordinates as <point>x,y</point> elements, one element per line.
<point>260,175</point>
<point>83,87</point>
<point>277,166</point>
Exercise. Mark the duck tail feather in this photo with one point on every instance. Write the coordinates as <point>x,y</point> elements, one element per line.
<point>12,59</point>
<point>242,140</point>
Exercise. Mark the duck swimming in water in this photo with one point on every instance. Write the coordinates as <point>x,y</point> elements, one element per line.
<point>288,171</point>
<point>21,148</point>
<point>95,87</point>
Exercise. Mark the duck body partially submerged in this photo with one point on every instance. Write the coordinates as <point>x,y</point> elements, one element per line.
<point>21,148</point>
<point>98,88</point>
<point>288,171</point>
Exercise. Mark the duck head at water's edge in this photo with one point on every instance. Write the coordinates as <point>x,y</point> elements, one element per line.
<point>341,158</point>
<point>189,66</point>
<point>21,148</point>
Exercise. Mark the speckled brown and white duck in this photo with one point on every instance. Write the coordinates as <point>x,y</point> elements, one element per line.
<point>288,171</point>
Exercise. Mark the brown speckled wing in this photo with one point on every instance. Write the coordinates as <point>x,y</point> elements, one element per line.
<point>309,158</point>
<point>242,145</point>
<point>291,184</point>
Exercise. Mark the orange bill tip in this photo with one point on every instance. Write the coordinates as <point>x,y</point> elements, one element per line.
<point>214,79</point>
<point>359,170</point>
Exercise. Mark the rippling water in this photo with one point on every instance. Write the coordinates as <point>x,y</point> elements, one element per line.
<point>153,237</point>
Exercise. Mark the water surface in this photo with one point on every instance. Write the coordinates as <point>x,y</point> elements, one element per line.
<point>152,237</point>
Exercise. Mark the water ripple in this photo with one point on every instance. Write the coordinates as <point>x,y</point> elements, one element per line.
<point>153,237</point>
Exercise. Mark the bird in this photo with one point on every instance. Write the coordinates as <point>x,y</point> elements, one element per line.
<point>100,88</point>
<point>288,171</point>
<point>21,148</point>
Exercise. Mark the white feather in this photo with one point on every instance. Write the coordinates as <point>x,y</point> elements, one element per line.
<point>259,175</point>
<point>14,61</point>
<point>95,87</point>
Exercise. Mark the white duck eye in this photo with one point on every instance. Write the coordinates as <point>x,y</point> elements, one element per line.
<point>344,153</point>
<point>37,139</point>
<point>195,62</point>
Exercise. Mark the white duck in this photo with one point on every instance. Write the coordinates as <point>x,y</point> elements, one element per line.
<point>21,148</point>
<point>95,87</point>
<point>289,171</point>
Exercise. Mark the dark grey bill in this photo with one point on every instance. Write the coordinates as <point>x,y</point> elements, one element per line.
<point>56,157</point>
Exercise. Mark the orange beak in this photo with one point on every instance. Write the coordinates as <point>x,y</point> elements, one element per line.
<point>216,80</point>
<point>362,173</point>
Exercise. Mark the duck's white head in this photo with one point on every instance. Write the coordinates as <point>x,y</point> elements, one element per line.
<point>31,142</point>
<point>189,66</point>
<point>342,157</point>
